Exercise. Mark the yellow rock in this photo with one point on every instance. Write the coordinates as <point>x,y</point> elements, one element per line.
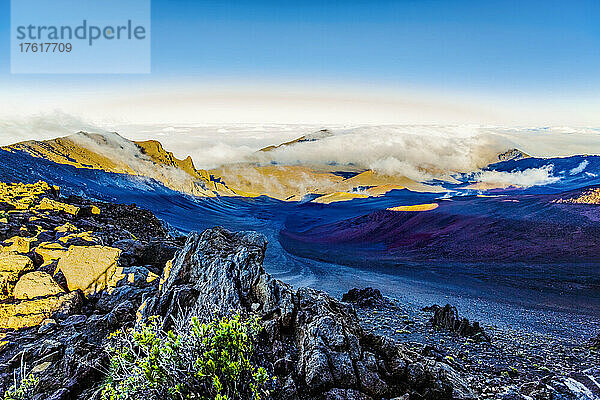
<point>95,210</point>
<point>11,267</point>
<point>165,274</point>
<point>339,196</point>
<point>89,268</point>
<point>53,205</point>
<point>21,195</point>
<point>68,227</point>
<point>36,284</point>
<point>416,207</point>
<point>50,251</point>
<point>18,244</point>
<point>28,313</point>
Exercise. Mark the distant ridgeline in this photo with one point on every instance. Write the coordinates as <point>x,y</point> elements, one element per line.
<point>323,183</point>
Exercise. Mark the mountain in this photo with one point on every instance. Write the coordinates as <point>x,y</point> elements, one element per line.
<point>512,155</point>
<point>112,153</point>
<point>311,137</point>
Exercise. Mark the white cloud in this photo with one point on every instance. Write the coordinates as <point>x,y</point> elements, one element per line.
<point>579,169</point>
<point>526,178</point>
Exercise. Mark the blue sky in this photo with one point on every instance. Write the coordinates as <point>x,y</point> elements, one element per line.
<point>531,49</point>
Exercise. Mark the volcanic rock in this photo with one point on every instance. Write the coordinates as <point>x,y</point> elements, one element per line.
<point>28,313</point>
<point>447,318</point>
<point>367,297</point>
<point>11,267</point>
<point>36,284</point>
<point>312,342</point>
<point>89,268</point>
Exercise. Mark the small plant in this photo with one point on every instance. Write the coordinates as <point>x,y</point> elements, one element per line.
<point>23,388</point>
<point>194,361</point>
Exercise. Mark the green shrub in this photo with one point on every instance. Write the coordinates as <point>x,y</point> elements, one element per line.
<point>23,389</point>
<point>193,361</point>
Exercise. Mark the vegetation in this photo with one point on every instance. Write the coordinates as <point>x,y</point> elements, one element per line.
<point>22,389</point>
<point>193,361</point>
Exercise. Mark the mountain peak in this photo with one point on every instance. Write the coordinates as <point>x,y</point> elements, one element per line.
<point>512,155</point>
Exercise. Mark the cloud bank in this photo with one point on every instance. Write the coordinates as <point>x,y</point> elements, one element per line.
<point>420,152</point>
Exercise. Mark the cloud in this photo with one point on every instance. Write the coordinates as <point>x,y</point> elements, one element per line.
<point>526,178</point>
<point>43,126</point>
<point>417,152</point>
<point>579,169</point>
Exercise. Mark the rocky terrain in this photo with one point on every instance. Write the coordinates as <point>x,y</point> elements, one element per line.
<point>498,363</point>
<point>72,271</point>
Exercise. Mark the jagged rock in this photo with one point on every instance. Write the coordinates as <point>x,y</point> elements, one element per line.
<point>89,268</point>
<point>53,205</point>
<point>36,284</point>
<point>136,276</point>
<point>28,313</point>
<point>553,387</point>
<point>595,342</point>
<point>367,297</point>
<point>11,267</point>
<point>313,342</point>
<point>154,254</point>
<point>447,318</point>
<point>18,244</point>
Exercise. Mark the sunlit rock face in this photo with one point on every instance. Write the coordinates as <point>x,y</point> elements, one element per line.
<point>90,269</point>
<point>27,313</point>
<point>11,267</point>
<point>36,284</point>
<point>113,153</point>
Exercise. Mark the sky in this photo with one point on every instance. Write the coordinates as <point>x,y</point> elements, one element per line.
<point>343,62</point>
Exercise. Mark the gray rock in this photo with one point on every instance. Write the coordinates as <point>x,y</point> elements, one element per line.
<point>314,341</point>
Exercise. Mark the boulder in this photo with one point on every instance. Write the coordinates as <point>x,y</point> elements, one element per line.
<point>136,276</point>
<point>447,318</point>
<point>11,267</point>
<point>367,297</point>
<point>312,342</point>
<point>28,313</point>
<point>53,205</point>
<point>36,284</point>
<point>89,268</point>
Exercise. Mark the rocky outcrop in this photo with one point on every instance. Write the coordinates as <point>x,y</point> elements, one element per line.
<point>53,205</point>
<point>367,297</point>
<point>49,257</point>
<point>447,318</point>
<point>312,342</point>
